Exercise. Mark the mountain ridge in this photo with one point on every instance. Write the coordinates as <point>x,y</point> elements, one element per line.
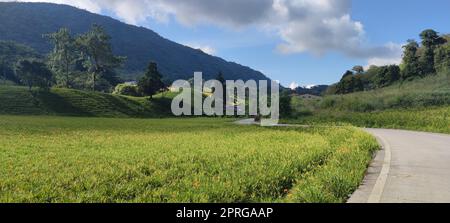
<point>26,22</point>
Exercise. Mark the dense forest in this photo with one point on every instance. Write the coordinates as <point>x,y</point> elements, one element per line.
<point>429,57</point>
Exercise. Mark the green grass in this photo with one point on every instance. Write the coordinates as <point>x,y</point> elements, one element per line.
<point>430,91</point>
<point>16,100</point>
<point>63,159</point>
<point>432,119</point>
<point>422,105</point>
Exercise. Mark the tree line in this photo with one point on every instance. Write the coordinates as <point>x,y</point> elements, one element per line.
<point>429,57</point>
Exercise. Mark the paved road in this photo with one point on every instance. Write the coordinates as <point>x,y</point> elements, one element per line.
<point>413,167</point>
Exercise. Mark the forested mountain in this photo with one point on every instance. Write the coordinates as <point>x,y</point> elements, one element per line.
<point>27,22</point>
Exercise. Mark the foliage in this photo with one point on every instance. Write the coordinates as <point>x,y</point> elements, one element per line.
<point>34,73</point>
<point>424,63</point>
<point>82,62</point>
<point>387,75</point>
<point>431,38</point>
<point>349,83</point>
<point>10,54</point>
<point>96,50</point>
<point>4,71</point>
<point>151,83</point>
<point>442,58</point>
<point>64,57</point>
<point>418,61</point>
<point>358,69</point>
<point>169,160</point>
<point>422,104</point>
<point>285,104</point>
<point>411,61</point>
<point>127,90</point>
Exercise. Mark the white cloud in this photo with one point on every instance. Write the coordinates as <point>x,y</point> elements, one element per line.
<point>383,61</point>
<point>311,86</point>
<point>314,26</point>
<point>205,48</point>
<point>395,57</point>
<point>294,85</point>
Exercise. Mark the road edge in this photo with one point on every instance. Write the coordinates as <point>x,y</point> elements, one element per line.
<point>380,184</point>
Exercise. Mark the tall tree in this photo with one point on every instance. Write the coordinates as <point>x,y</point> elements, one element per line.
<point>151,83</point>
<point>430,41</point>
<point>64,56</point>
<point>96,49</point>
<point>431,38</point>
<point>410,60</point>
<point>358,69</point>
<point>34,73</point>
<point>347,83</point>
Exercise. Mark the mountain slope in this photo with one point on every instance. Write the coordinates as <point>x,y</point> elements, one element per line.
<point>26,22</point>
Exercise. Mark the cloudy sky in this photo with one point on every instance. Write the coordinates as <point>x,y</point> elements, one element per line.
<point>295,41</point>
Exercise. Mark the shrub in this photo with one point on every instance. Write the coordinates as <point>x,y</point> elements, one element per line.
<point>127,89</point>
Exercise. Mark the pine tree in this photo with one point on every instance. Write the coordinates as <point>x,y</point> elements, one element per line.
<point>151,83</point>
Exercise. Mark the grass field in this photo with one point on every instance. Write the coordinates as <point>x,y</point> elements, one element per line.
<point>432,119</point>
<point>15,100</point>
<point>61,159</point>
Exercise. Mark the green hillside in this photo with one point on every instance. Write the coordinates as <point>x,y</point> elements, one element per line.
<point>429,91</point>
<point>64,102</point>
<point>422,104</point>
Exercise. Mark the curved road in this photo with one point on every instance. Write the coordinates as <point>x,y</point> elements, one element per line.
<point>412,167</point>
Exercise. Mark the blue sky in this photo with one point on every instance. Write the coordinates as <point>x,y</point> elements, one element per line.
<point>300,41</point>
<point>383,20</point>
